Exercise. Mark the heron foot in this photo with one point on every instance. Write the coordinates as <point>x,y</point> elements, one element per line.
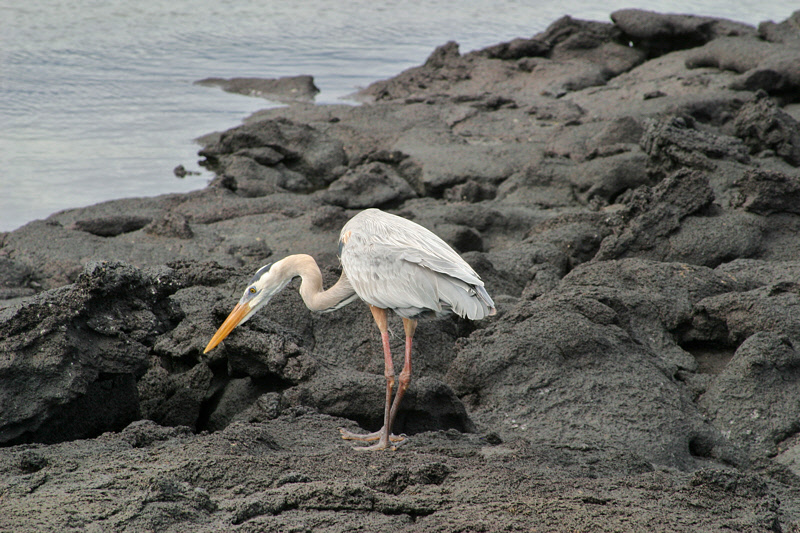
<point>381,445</point>
<point>383,441</point>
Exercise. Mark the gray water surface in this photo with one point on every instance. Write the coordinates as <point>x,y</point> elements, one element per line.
<point>97,98</point>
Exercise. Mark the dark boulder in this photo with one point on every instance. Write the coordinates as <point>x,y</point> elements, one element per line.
<point>270,155</point>
<point>660,33</point>
<point>72,356</point>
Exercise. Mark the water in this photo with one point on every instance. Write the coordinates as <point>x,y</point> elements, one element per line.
<point>97,98</point>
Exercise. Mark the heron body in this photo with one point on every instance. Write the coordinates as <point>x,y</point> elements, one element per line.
<point>388,262</point>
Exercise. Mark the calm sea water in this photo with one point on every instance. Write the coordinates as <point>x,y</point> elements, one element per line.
<point>97,100</point>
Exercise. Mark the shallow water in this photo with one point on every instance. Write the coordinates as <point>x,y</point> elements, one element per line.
<point>97,100</point>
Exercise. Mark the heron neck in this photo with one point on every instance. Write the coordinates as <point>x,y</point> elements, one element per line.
<point>316,299</point>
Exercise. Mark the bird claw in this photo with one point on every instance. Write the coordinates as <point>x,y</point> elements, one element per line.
<point>391,442</point>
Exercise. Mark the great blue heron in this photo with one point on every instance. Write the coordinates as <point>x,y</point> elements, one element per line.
<point>390,263</point>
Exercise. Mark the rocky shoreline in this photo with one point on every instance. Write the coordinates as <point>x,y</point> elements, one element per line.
<point>628,191</point>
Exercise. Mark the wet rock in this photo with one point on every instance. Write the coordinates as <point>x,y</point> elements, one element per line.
<point>287,89</point>
<point>181,172</point>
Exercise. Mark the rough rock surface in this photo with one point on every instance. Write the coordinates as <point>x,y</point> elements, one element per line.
<point>289,89</point>
<point>629,193</point>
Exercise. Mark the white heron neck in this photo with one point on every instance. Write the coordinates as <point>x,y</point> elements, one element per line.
<point>315,298</point>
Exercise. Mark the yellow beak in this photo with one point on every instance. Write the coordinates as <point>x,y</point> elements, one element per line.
<point>233,320</point>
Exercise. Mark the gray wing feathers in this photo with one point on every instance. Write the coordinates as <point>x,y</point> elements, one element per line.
<point>462,299</point>
<point>396,264</point>
<point>439,264</point>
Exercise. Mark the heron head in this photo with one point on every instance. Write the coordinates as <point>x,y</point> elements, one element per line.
<point>266,282</point>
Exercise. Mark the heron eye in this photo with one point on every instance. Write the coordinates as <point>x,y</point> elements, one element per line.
<point>252,290</point>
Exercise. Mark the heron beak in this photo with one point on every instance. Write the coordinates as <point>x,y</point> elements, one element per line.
<point>234,319</point>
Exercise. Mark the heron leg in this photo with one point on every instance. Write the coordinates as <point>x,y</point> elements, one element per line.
<point>405,375</point>
<point>384,435</point>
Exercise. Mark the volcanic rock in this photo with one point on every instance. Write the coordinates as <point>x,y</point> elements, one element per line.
<point>287,89</point>
<point>628,193</point>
